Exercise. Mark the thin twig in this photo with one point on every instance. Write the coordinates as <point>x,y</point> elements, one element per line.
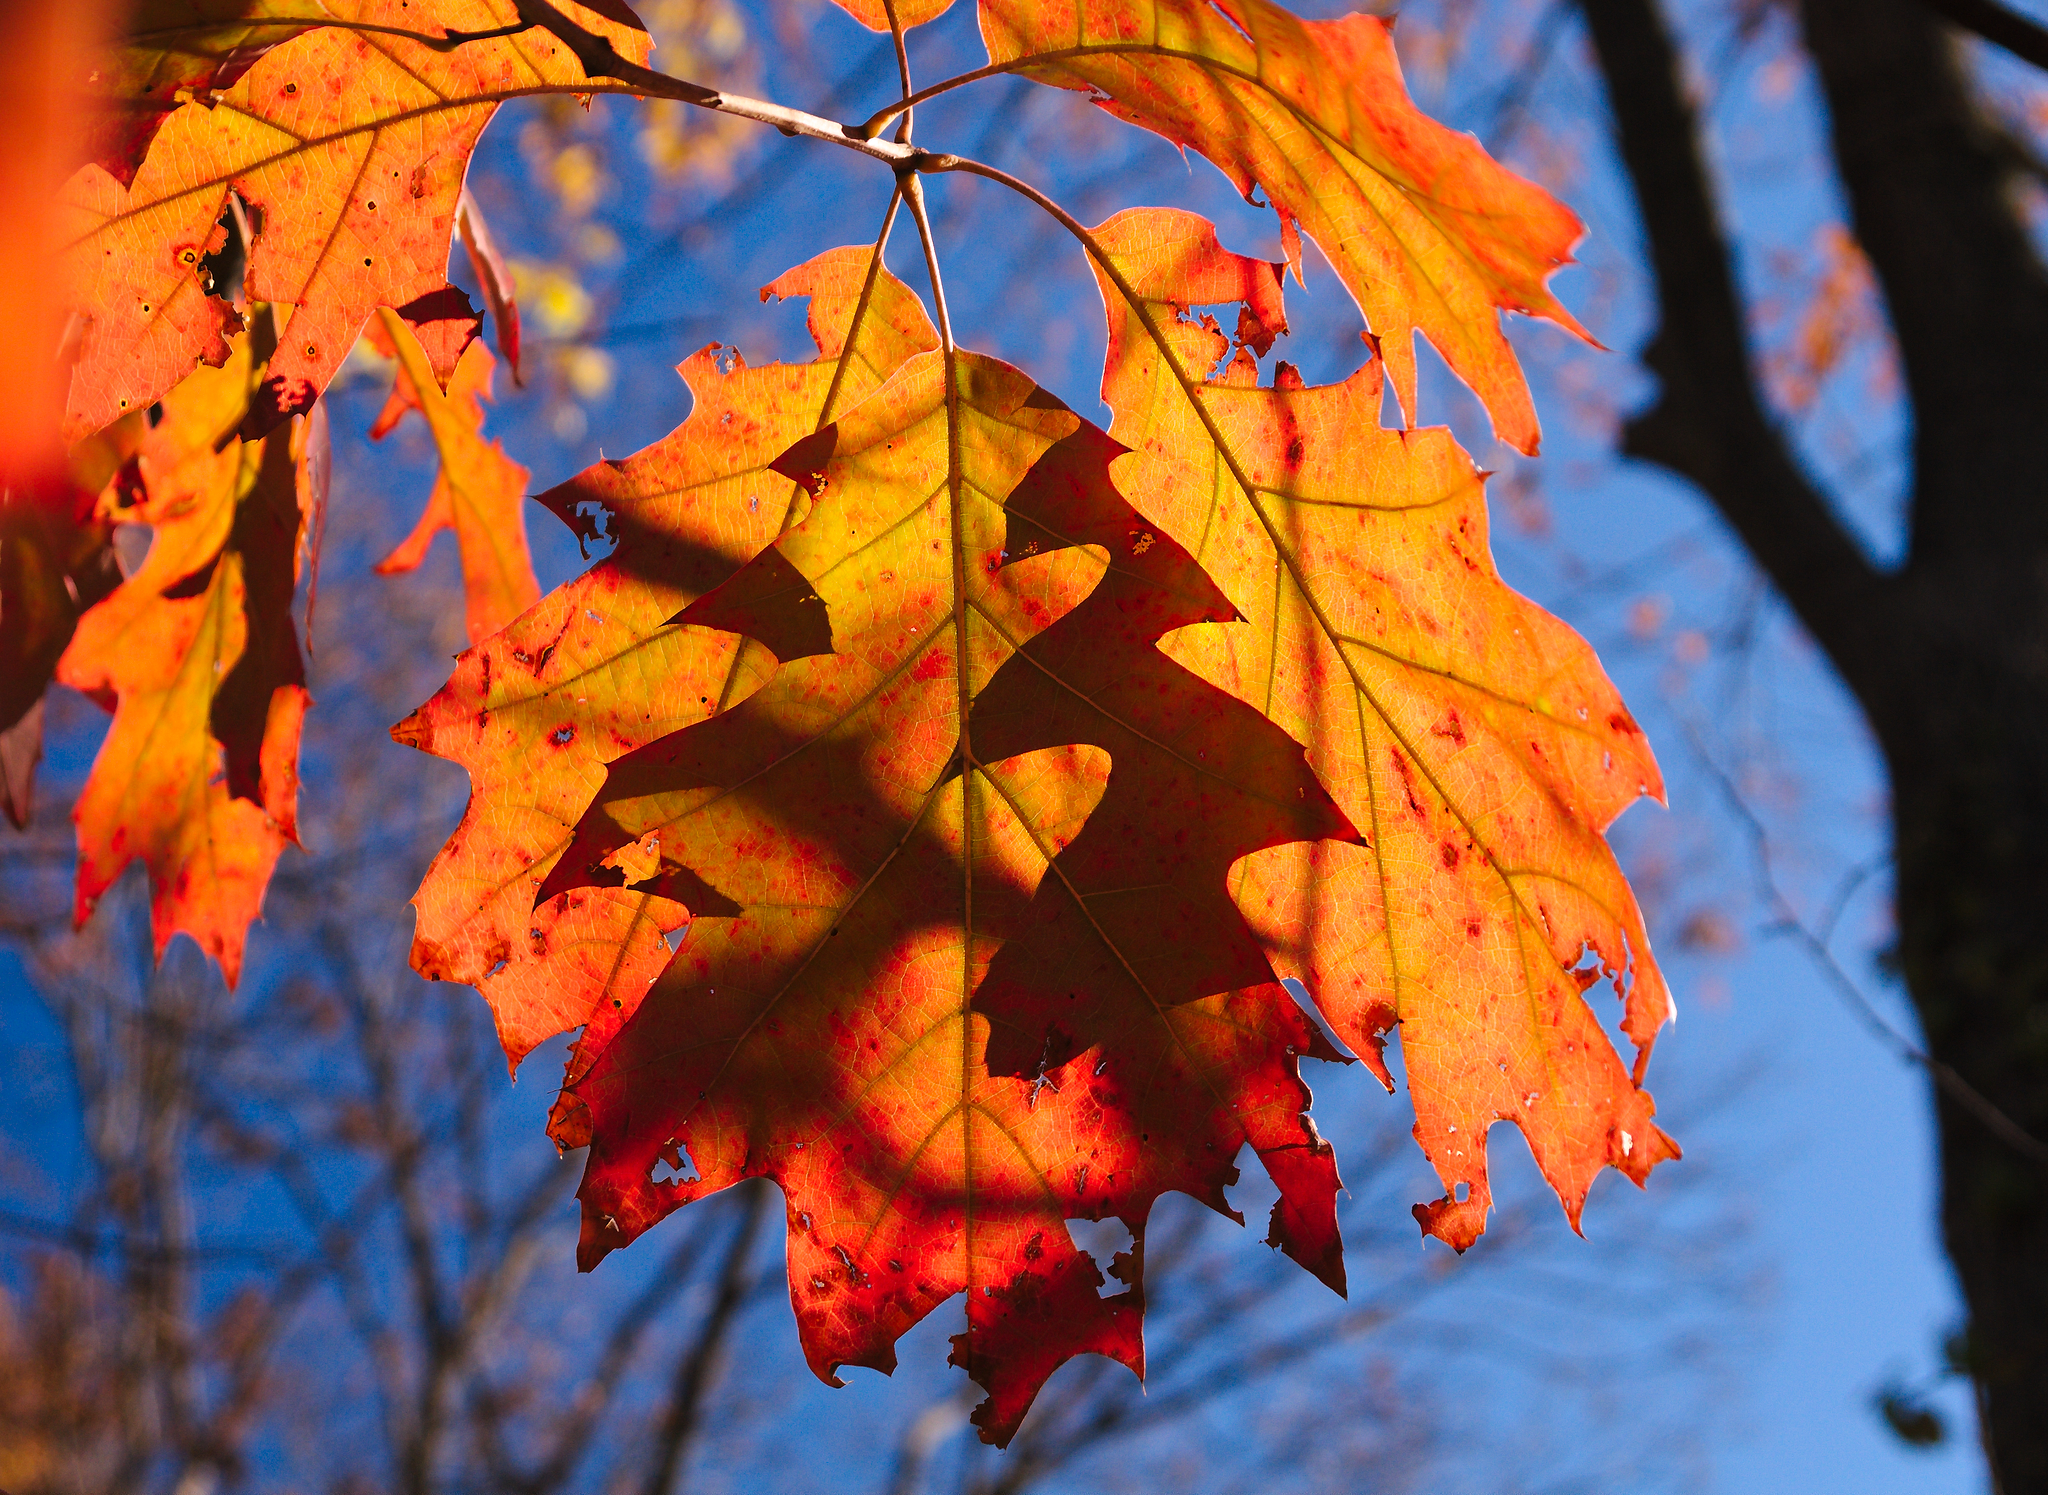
<point>913,192</point>
<point>1504,118</point>
<point>902,68</point>
<point>694,1370</point>
<point>600,59</point>
<point>879,120</point>
<point>1786,921</point>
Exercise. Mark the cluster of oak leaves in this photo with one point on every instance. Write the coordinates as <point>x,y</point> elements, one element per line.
<point>920,804</point>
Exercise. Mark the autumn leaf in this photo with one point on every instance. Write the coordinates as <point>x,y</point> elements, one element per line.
<point>1427,232</point>
<point>350,146</point>
<point>173,47</point>
<point>494,276</point>
<point>594,670</point>
<point>875,14</point>
<point>1471,736</point>
<point>196,652</point>
<point>480,493</point>
<point>56,560</point>
<point>859,865</point>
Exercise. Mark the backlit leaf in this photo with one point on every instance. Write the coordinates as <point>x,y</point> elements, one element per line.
<point>480,492</point>
<point>349,147</point>
<point>1427,232</point>
<point>494,275</point>
<point>594,670</point>
<point>874,14</point>
<point>197,654</point>
<point>173,46</point>
<point>972,794</point>
<point>1471,736</point>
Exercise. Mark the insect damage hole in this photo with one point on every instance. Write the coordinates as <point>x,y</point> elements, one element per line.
<point>673,1166</point>
<point>1103,1241</point>
<point>1253,1194</point>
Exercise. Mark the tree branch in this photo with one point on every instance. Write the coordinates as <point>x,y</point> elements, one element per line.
<point>599,59</point>
<point>694,1370</point>
<point>2025,39</point>
<point>1708,424</point>
<point>1928,189</point>
<point>1786,920</point>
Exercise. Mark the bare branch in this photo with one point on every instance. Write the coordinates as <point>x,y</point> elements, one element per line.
<point>1708,423</point>
<point>1930,199</point>
<point>694,1370</point>
<point>1786,921</point>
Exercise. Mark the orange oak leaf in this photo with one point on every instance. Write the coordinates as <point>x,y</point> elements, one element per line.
<point>595,670</point>
<point>480,492</point>
<point>173,47</point>
<point>859,866</point>
<point>1427,232</point>
<point>350,148</point>
<point>198,776</point>
<point>1469,734</point>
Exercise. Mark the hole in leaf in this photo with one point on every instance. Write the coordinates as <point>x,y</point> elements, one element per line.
<point>1103,1240</point>
<point>223,268</point>
<point>1252,1193</point>
<point>1606,997</point>
<point>1462,1191</point>
<point>674,1166</point>
<point>131,544</point>
<point>592,522</point>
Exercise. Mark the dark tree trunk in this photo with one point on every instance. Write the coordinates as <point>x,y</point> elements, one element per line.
<point>1971,819</point>
<point>1949,656</point>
